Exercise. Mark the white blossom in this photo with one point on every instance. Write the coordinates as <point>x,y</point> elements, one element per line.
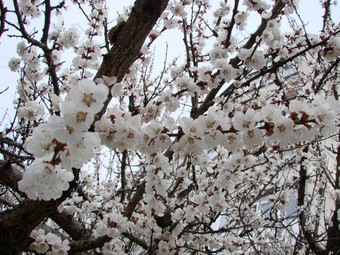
<point>45,181</point>
<point>31,111</point>
<point>88,96</point>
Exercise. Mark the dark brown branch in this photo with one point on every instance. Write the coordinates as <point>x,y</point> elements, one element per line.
<point>275,12</point>
<point>134,200</point>
<point>17,224</point>
<point>232,23</point>
<point>122,175</point>
<point>136,240</point>
<point>14,155</point>
<point>36,210</point>
<point>46,28</point>
<point>186,44</point>
<point>130,39</point>
<point>323,78</point>
<point>303,24</point>
<point>302,216</point>
<point>10,142</point>
<point>10,176</point>
<point>22,28</point>
<point>82,11</point>
<point>333,232</point>
<point>7,202</point>
<point>4,90</point>
<point>69,224</point>
<point>282,63</point>
<point>92,243</point>
<point>3,11</point>
<point>85,245</point>
<point>42,45</point>
<point>327,14</point>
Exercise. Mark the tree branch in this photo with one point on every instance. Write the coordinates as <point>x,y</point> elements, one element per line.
<point>232,23</point>
<point>122,175</point>
<point>17,224</point>
<point>69,224</point>
<point>92,243</point>
<point>333,232</point>
<point>302,216</point>
<point>46,28</point>
<point>89,244</point>
<point>323,78</point>
<point>3,11</point>
<point>327,14</point>
<point>134,201</point>
<point>130,39</point>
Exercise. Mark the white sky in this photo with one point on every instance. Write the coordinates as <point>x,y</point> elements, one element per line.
<point>310,12</point>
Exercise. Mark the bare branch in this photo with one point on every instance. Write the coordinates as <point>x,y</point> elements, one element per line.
<point>42,45</point>
<point>232,23</point>
<point>333,232</point>
<point>302,215</point>
<point>7,202</point>
<point>1,92</point>
<point>85,245</point>
<point>47,15</point>
<point>3,11</point>
<point>135,200</point>
<point>327,14</point>
<point>285,61</point>
<point>69,224</point>
<point>325,75</point>
<point>122,175</point>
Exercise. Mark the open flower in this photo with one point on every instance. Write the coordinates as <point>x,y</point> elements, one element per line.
<point>79,153</point>
<point>41,142</point>
<point>191,127</point>
<point>283,132</point>
<point>241,19</point>
<point>325,118</point>
<point>244,121</point>
<point>88,96</point>
<point>252,138</point>
<point>45,181</point>
<point>31,111</point>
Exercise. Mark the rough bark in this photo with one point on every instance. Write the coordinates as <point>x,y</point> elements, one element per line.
<point>313,245</point>
<point>333,232</point>
<point>129,40</point>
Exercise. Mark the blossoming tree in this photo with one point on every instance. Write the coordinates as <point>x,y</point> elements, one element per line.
<point>110,152</point>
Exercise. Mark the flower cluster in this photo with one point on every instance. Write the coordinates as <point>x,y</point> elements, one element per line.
<point>30,8</point>
<point>250,129</point>
<point>63,142</point>
<point>64,38</point>
<point>28,54</point>
<point>119,130</point>
<point>49,243</point>
<point>31,111</point>
<point>241,19</point>
<point>45,181</point>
